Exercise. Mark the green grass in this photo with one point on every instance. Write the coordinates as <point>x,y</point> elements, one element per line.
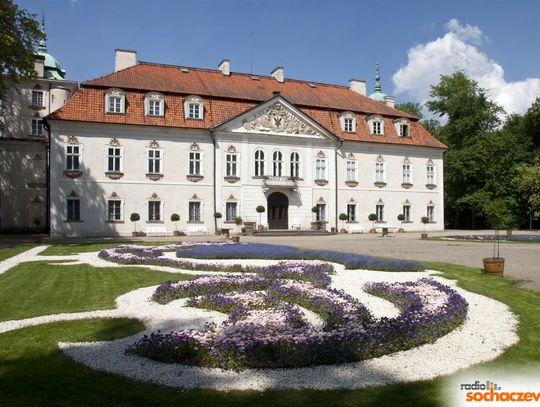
<point>8,252</point>
<point>67,249</point>
<point>34,372</point>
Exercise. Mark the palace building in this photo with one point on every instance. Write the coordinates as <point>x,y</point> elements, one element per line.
<point>158,140</point>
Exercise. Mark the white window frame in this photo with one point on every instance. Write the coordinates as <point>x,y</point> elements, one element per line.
<point>231,164</point>
<point>347,122</point>
<point>149,203</point>
<point>194,160</point>
<point>406,173</point>
<point>371,125</point>
<point>430,213</point>
<point>321,169</point>
<point>121,210</point>
<point>260,163</point>
<point>201,218</point>
<point>407,213</point>
<point>320,215</point>
<point>37,101</point>
<point>37,127</point>
<point>431,175</point>
<point>119,108</point>
<point>295,165</point>
<point>154,159</point>
<point>72,154</point>
<point>193,100</point>
<point>73,219</point>
<point>149,100</point>
<point>380,171</point>
<point>227,205</point>
<point>120,157</point>
<point>380,212</point>
<point>277,163</point>
<point>400,124</point>
<point>351,168</point>
<point>354,211</point>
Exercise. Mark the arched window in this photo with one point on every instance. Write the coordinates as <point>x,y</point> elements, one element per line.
<point>277,164</point>
<point>259,163</point>
<point>154,104</point>
<point>115,101</point>
<point>295,165</point>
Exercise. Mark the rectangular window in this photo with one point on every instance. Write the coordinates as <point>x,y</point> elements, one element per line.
<point>379,172</point>
<point>320,169</point>
<point>37,127</point>
<point>73,158</point>
<point>404,130</point>
<point>321,213</point>
<point>195,111</point>
<point>431,213</point>
<point>406,173</point>
<point>430,175</point>
<point>231,165</point>
<point>37,98</point>
<point>114,104</point>
<point>114,159</point>
<point>348,125</point>
<point>351,212</point>
<point>407,213</point>
<point>379,210</point>
<point>194,211</point>
<point>376,127</point>
<point>154,107</point>
<point>351,170</point>
<point>154,161</point>
<point>73,209</point>
<point>230,211</point>
<point>195,163</point>
<point>114,210</point>
<point>154,210</point>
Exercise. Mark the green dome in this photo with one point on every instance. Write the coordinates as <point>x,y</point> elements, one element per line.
<point>377,95</point>
<point>52,68</point>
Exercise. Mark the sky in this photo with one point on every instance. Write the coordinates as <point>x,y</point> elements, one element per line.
<point>332,41</point>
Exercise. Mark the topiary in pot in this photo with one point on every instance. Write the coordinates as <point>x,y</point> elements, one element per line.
<point>238,222</point>
<point>425,221</point>
<point>135,217</point>
<point>316,225</point>
<point>175,218</point>
<point>260,210</point>
<point>372,217</point>
<point>401,218</point>
<point>499,215</point>
<point>343,217</point>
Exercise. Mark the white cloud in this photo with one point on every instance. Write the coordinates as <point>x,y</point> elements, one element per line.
<point>457,50</point>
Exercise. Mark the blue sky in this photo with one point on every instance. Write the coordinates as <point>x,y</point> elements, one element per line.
<point>325,41</point>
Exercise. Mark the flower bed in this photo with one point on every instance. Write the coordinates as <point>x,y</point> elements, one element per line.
<point>267,251</point>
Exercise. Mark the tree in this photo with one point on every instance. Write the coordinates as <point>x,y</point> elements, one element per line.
<point>412,108</point>
<point>528,183</point>
<point>19,38</point>
<point>531,122</point>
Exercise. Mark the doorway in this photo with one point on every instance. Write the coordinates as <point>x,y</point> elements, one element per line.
<point>278,211</point>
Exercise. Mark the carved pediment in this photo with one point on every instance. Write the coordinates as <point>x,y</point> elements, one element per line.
<point>278,119</point>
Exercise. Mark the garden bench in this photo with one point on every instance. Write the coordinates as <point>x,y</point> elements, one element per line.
<point>197,230</point>
<point>156,231</point>
<point>384,229</point>
<point>356,229</point>
<point>296,224</point>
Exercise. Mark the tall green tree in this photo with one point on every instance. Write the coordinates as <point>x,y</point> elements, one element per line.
<point>411,107</point>
<point>20,35</point>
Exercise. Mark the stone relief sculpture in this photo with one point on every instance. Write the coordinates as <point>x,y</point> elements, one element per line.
<point>278,119</point>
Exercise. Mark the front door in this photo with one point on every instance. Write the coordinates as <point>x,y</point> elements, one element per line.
<point>278,211</point>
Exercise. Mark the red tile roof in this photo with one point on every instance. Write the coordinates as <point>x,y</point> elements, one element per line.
<point>228,96</point>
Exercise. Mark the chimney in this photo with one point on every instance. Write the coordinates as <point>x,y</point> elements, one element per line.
<point>225,67</point>
<point>124,58</point>
<point>39,66</point>
<point>389,101</point>
<point>279,74</point>
<point>358,86</point>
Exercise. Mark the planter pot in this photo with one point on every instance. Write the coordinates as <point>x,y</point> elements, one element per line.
<point>423,235</point>
<point>343,230</point>
<point>235,239</point>
<point>260,228</point>
<point>508,232</point>
<point>494,265</point>
<point>316,225</point>
<point>372,230</point>
<point>400,230</point>
<point>178,233</point>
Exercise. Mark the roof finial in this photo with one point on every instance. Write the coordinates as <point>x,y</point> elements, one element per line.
<point>42,47</point>
<point>377,79</point>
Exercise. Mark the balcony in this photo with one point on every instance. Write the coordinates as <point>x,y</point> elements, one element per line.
<point>279,182</point>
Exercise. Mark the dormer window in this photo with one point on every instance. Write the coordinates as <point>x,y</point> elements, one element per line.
<point>154,104</point>
<point>348,122</point>
<point>115,101</point>
<point>194,108</point>
<point>376,125</point>
<point>403,127</point>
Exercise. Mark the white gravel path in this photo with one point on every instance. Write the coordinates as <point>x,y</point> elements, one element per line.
<point>481,338</point>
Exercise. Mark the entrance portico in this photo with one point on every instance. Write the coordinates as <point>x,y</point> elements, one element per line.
<point>278,211</point>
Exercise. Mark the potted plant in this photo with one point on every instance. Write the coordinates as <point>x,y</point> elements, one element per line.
<point>260,210</point>
<point>425,221</point>
<point>343,217</point>
<point>372,217</point>
<point>315,225</point>
<point>37,222</point>
<point>134,217</point>
<point>238,222</point>
<point>499,216</point>
<point>175,218</point>
<point>218,216</point>
<point>401,218</point>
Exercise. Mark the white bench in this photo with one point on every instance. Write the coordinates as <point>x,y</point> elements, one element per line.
<point>156,231</point>
<point>197,230</point>
<point>356,229</point>
<point>388,227</point>
<point>296,224</point>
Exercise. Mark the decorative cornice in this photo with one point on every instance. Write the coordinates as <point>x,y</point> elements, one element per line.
<point>278,119</point>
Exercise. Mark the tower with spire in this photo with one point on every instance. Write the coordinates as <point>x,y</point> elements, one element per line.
<point>378,95</point>
<point>52,68</point>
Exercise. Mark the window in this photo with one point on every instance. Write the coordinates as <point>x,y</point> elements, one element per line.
<point>430,174</point>
<point>114,159</point>
<point>351,212</point>
<point>194,211</point>
<point>73,158</point>
<point>259,163</point>
<point>73,209</point>
<point>407,174</point>
<point>115,104</point>
<point>402,127</point>
<point>194,163</point>
<point>194,111</point>
<point>379,172</point>
<point>351,170</point>
<point>407,213</point>
<point>115,101</point>
<point>231,165</point>
<point>376,125</point>
<point>348,122</point>
<point>154,161</point>
<point>114,210</point>
<point>37,98</point>
<point>321,213</point>
<point>37,127</point>
<point>404,130</point>
<point>430,213</point>
<point>230,211</point>
<point>277,164</point>
<point>379,211</point>
<point>193,108</point>
<point>348,125</point>
<point>295,165</point>
<point>154,107</point>
<point>154,211</point>
<point>320,168</point>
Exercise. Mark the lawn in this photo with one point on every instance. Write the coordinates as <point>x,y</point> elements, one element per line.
<point>34,372</point>
<point>8,252</point>
<point>67,249</point>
